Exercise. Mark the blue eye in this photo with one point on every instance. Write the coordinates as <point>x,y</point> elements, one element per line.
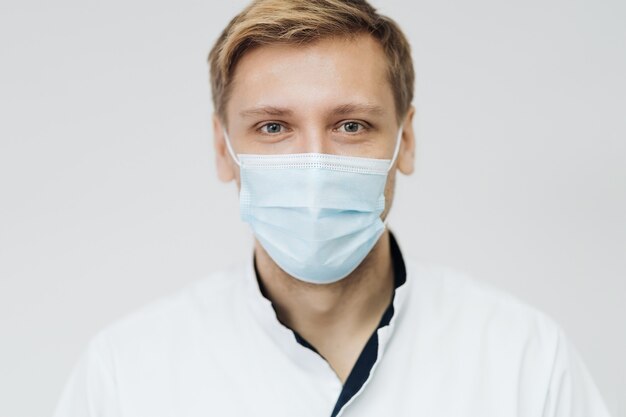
<point>352,127</point>
<point>272,128</point>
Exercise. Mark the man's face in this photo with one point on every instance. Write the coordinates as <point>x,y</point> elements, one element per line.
<point>332,96</point>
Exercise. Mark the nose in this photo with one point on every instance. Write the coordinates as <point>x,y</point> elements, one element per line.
<point>314,140</point>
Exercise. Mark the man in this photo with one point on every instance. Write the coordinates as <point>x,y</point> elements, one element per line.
<point>313,119</point>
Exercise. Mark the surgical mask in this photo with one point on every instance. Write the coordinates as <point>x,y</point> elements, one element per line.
<point>316,215</point>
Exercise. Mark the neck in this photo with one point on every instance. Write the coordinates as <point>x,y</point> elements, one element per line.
<point>328,314</point>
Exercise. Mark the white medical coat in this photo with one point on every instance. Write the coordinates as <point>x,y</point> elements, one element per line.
<point>454,348</point>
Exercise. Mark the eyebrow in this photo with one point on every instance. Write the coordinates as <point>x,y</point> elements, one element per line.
<point>358,108</point>
<point>343,109</point>
<point>266,111</point>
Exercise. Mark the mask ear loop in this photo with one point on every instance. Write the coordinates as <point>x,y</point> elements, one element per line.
<point>230,149</point>
<point>393,161</point>
<point>396,151</point>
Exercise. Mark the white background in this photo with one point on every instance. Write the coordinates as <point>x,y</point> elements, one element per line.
<point>109,199</point>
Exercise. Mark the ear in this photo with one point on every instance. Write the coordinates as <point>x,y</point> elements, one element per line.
<point>224,162</point>
<point>406,155</point>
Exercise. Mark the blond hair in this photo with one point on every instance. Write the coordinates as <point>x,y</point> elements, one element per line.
<point>266,22</point>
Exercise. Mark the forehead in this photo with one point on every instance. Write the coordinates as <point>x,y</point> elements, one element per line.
<point>312,75</point>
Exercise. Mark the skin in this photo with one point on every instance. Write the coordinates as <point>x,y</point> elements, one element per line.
<point>297,99</point>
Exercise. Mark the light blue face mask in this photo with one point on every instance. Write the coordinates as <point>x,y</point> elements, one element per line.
<point>316,215</point>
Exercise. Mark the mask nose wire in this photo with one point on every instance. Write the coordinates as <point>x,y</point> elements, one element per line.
<point>396,151</point>
<point>230,149</point>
